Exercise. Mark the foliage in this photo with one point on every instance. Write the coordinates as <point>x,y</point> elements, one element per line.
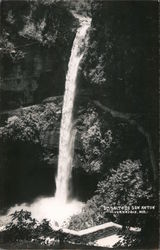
<point>130,240</point>
<point>30,125</point>
<point>24,227</point>
<point>8,48</point>
<point>90,215</point>
<point>21,227</point>
<point>105,141</point>
<point>12,18</point>
<point>125,186</point>
<point>94,139</point>
<point>36,36</point>
<point>48,27</point>
<point>36,21</point>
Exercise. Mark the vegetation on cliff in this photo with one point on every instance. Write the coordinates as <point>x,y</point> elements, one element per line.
<point>94,140</point>
<point>42,22</point>
<point>30,124</point>
<point>124,186</point>
<point>35,45</point>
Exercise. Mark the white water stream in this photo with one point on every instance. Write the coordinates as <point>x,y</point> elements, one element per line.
<point>66,145</point>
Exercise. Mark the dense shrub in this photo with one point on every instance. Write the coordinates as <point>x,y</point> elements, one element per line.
<point>31,123</point>
<point>23,227</point>
<point>95,141</point>
<point>125,186</point>
<point>90,216</point>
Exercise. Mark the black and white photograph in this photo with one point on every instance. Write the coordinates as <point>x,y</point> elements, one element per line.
<point>79,124</point>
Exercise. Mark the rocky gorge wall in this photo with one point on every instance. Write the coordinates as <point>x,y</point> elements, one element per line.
<point>35,47</point>
<point>118,79</point>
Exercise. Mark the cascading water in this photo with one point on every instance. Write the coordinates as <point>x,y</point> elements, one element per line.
<point>58,208</point>
<point>66,144</point>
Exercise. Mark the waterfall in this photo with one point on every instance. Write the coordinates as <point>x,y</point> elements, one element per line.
<point>67,134</point>
<point>59,208</point>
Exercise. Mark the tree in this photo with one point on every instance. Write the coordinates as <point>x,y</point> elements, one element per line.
<point>90,215</point>
<point>21,227</point>
<point>125,186</point>
<point>30,125</point>
<point>95,141</point>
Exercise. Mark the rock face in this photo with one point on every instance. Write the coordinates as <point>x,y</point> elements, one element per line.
<point>116,104</point>
<point>119,68</point>
<point>121,59</point>
<point>35,49</point>
<point>32,79</point>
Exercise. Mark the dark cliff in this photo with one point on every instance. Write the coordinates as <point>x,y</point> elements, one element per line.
<point>119,77</point>
<point>35,45</point>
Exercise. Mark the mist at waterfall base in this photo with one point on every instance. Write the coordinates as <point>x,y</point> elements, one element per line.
<point>57,212</point>
<point>61,207</point>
